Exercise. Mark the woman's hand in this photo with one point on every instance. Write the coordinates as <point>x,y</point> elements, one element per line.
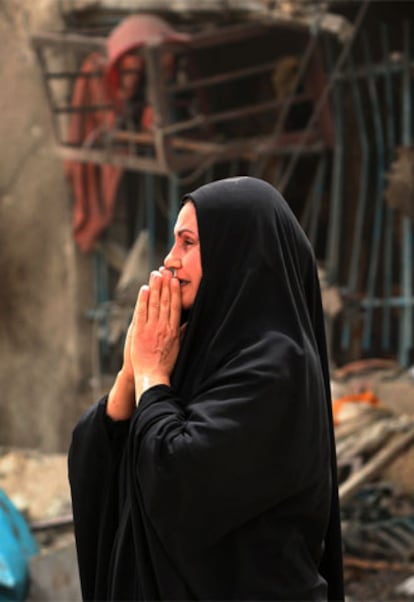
<point>151,344</point>
<point>155,331</point>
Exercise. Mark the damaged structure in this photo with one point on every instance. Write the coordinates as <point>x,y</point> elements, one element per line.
<point>305,99</point>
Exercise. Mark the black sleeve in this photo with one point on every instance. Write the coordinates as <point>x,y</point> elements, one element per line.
<point>93,463</point>
<point>207,467</point>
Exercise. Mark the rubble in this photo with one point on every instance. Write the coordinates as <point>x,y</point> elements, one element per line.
<point>406,587</point>
<point>35,482</point>
<point>374,432</point>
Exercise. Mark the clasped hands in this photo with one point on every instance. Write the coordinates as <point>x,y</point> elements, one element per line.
<point>154,333</point>
<point>151,345</point>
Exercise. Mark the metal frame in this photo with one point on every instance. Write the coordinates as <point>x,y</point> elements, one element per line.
<point>182,147</point>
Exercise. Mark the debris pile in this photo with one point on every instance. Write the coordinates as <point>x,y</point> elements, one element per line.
<point>36,485</point>
<point>367,442</point>
<point>35,482</point>
<point>375,453</point>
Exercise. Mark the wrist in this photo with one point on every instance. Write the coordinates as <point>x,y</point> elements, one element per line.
<point>121,398</point>
<point>125,379</point>
<point>144,381</point>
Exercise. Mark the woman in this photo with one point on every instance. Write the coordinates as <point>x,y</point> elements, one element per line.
<point>209,472</point>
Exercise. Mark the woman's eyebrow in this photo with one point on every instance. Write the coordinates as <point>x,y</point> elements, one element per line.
<point>184,230</point>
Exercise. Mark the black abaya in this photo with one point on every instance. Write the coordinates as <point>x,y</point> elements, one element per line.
<point>222,486</point>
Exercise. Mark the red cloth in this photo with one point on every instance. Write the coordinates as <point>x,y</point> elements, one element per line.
<point>94,186</point>
<point>132,33</point>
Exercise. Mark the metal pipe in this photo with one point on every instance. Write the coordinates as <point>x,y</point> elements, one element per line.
<point>173,196</point>
<point>389,211</point>
<point>149,189</point>
<point>389,302</point>
<point>355,262</point>
<point>289,100</point>
<point>406,323</point>
<point>317,192</point>
<point>332,246</point>
<point>378,70</point>
<point>69,40</point>
<point>247,110</point>
<point>308,213</point>
<point>379,197</point>
<point>324,96</point>
<point>101,290</point>
<point>226,77</point>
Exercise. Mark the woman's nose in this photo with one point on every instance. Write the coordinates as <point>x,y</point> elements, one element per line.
<point>172,261</point>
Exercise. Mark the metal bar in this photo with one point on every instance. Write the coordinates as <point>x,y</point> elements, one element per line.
<point>82,74</point>
<point>134,162</point>
<point>82,109</point>
<point>288,102</point>
<point>317,193</point>
<point>226,77</point>
<point>150,211</point>
<point>203,120</point>
<point>379,196</point>
<point>100,270</point>
<point>158,100</point>
<point>333,239</point>
<point>355,262</point>
<point>389,211</point>
<point>324,96</point>
<point>173,195</point>
<point>315,83</point>
<point>147,138</point>
<point>72,40</point>
<point>382,302</point>
<point>248,149</point>
<point>156,86</point>
<point>378,70</point>
<point>406,323</point>
<point>73,74</point>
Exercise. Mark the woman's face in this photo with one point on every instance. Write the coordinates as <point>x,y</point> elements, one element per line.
<point>185,256</point>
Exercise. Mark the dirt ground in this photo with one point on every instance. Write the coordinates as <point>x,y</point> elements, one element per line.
<point>37,484</point>
<point>376,585</point>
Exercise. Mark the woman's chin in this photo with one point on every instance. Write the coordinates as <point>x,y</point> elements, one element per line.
<point>187,300</point>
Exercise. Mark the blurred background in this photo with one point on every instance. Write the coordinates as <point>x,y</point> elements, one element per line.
<point>112,110</point>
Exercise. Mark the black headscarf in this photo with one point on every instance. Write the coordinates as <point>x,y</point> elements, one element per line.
<point>230,474</point>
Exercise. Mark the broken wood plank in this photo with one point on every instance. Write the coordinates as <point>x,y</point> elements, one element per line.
<point>377,565</point>
<point>353,426</point>
<point>371,439</point>
<point>394,448</point>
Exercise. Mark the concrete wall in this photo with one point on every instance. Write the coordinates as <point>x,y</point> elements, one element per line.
<point>44,282</point>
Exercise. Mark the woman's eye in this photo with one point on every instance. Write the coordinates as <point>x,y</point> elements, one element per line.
<point>188,242</point>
